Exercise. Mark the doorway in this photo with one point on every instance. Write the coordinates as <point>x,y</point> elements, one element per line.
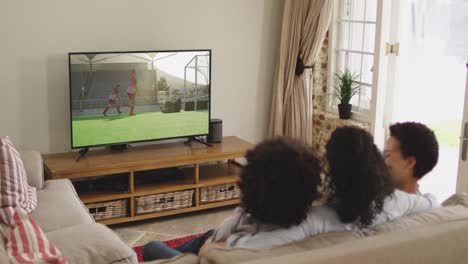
<point>426,80</point>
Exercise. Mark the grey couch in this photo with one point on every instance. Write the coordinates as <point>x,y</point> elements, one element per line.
<point>66,221</point>
<point>431,237</point>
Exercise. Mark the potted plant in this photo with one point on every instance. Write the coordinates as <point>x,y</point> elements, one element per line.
<point>346,86</point>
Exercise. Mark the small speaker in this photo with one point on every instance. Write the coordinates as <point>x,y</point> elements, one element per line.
<point>216,130</point>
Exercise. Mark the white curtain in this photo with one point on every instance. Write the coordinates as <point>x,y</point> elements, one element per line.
<point>305,24</point>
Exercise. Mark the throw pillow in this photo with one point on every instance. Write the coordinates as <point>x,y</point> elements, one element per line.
<point>25,242</point>
<point>14,188</point>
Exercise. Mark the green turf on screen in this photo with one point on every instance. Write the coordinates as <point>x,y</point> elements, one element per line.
<point>97,130</point>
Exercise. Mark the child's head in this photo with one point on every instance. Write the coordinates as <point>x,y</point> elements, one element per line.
<point>359,181</point>
<point>280,181</point>
<point>410,152</point>
<point>117,87</point>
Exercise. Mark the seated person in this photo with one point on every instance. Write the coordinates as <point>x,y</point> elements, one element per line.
<point>410,153</point>
<point>361,194</point>
<point>278,185</point>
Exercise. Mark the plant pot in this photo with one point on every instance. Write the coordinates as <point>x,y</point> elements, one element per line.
<point>345,111</point>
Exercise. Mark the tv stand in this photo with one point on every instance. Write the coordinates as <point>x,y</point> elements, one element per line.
<point>199,140</point>
<point>133,174</point>
<point>82,153</point>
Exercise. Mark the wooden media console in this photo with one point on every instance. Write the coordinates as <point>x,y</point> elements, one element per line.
<point>130,194</point>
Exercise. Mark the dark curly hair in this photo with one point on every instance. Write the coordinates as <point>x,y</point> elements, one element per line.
<point>358,180</point>
<point>279,182</point>
<point>419,141</point>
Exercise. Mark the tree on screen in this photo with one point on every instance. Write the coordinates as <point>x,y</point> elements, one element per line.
<point>203,90</point>
<point>162,84</point>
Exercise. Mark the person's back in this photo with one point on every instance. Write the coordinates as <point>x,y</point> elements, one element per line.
<point>362,189</point>
<point>361,193</point>
<point>278,185</point>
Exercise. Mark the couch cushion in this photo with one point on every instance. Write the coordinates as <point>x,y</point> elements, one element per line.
<point>25,242</point>
<point>460,198</point>
<point>214,254</point>
<point>14,188</point>
<point>455,208</point>
<point>92,243</point>
<point>34,168</point>
<point>444,243</point>
<point>59,206</point>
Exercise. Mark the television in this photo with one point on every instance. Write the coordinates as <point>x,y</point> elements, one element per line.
<point>118,98</point>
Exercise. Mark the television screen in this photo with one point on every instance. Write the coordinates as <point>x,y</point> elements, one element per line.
<point>123,97</point>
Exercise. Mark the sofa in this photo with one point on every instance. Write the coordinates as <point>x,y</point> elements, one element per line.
<point>436,236</point>
<point>432,237</point>
<point>66,222</point>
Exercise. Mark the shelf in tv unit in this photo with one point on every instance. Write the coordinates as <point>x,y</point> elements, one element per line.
<point>179,183</point>
<point>162,188</point>
<point>219,204</point>
<point>169,212</point>
<point>102,196</point>
<point>202,166</point>
<point>218,174</point>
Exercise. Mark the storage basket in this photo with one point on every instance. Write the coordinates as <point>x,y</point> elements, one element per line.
<point>219,193</point>
<point>163,202</point>
<point>108,210</point>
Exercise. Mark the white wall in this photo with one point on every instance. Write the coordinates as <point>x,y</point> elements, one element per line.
<point>35,37</point>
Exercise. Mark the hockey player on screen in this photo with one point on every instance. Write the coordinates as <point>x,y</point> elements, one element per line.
<point>113,99</point>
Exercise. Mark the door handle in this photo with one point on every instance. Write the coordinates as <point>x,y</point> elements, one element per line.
<point>464,140</point>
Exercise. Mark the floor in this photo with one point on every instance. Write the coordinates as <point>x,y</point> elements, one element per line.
<point>167,228</point>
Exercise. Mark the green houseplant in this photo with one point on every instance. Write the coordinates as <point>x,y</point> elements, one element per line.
<point>346,86</point>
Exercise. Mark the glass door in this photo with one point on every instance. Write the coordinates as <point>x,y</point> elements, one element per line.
<point>462,180</point>
<point>426,78</point>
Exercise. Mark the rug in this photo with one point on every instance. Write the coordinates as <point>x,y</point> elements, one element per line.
<point>171,243</point>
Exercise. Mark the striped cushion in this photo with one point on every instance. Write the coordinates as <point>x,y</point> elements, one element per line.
<point>25,241</point>
<point>14,188</point>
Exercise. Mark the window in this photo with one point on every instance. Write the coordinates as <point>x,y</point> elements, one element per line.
<point>352,46</point>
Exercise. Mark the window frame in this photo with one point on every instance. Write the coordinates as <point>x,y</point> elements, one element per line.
<point>333,42</point>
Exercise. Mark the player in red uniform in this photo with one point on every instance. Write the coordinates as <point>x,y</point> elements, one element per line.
<point>114,99</point>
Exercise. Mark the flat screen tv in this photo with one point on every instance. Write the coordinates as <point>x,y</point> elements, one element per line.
<point>125,97</point>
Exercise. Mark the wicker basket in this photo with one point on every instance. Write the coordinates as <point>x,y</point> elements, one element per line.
<point>219,193</point>
<point>108,210</point>
<point>164,202</point>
